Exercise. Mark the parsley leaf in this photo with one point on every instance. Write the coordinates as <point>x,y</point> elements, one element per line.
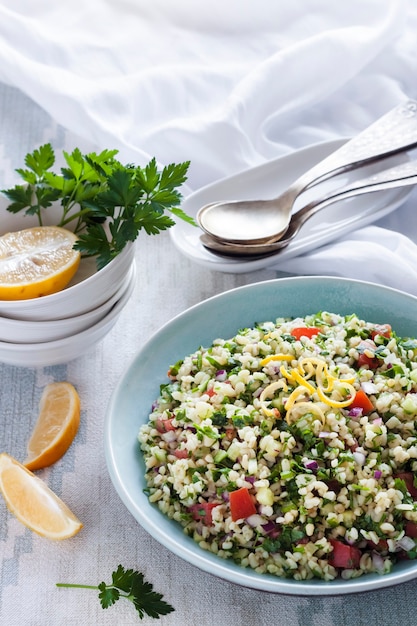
<point>40,160</point>
<point>131,585</point>
<point>109,202</point>
<point>107,595</point>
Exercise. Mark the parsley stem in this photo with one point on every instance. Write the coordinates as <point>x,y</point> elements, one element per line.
<point>78,215</point>
<point>76,586</point>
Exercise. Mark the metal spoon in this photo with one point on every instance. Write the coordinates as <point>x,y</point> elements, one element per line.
<point>259,221</point>
<point>397,176</point>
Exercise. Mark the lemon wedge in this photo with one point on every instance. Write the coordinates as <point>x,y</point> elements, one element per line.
<point>36,262</point>
<point>33,503</point>
<point>56,426</point>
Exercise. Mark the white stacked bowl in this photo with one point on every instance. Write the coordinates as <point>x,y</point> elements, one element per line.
<point>62,326</point>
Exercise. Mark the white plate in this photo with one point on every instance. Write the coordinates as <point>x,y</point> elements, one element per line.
<point>269,180</point>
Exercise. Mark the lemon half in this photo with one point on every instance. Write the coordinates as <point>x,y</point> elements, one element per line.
<point>36,262</point>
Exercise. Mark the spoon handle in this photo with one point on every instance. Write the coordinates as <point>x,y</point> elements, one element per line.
<point>394,132</point>
<point>398,176</point>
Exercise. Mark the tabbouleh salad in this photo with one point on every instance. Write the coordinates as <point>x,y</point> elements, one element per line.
<point>291,448</point>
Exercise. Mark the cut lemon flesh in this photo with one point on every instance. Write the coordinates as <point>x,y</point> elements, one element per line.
<point>56,426</point>
<point>36,262</point>
<point>33,503</point>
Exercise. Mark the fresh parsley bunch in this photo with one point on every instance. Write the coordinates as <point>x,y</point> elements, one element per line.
<point>131,585</point>
<point>109,202</point>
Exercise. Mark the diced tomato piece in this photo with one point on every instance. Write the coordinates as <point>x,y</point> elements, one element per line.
<point>201,512</point>
<point>343,555</point>
<point>304,331</point>
<point>241,504</point>
<point>164,425</point>
<point>411,529</point>
<point>402,556</point>
<point>384,330</point>
<point>361,401</point>
<point>381,546</point>
<point>365,359</point>
<point>210,392</point>
<point>181,453</point>
<point>408,478</point>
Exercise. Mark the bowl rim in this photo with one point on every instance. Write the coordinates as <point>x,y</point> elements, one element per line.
<point>154,521</point>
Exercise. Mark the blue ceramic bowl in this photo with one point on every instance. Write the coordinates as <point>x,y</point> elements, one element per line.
<point>222,316</point>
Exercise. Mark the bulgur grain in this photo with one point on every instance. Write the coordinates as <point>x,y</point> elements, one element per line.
<point>278,414</point>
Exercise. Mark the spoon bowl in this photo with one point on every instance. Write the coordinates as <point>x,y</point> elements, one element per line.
<point>264,219</point>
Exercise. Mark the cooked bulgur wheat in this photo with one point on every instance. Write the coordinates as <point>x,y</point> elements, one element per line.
<point>291,448</point>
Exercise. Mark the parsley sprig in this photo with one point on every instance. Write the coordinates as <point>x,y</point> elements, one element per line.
<point>129,584</point>
<point>109,203</point>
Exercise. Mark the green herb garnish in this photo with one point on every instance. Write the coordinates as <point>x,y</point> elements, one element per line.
<point>131,585</point>
<point>107,202</point>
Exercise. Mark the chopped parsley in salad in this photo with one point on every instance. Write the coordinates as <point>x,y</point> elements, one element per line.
<point>291,448</point>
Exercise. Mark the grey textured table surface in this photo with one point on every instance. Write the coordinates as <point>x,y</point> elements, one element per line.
<point>167,283</point>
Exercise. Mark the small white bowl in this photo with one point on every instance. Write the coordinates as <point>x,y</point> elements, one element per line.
<point>68,348</point>
<point>26,331</point>
<point>88,289</point>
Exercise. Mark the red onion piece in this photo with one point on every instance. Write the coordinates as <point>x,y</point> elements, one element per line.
<point>311,464</point>
<point>269,527</point>
<point>378,562</point>
<point>406,543</point>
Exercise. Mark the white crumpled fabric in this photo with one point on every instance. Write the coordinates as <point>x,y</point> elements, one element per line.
<point>388,257</point>
<point>226,85</point>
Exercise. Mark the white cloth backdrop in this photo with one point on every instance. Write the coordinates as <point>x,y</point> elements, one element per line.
<point>226,85</point>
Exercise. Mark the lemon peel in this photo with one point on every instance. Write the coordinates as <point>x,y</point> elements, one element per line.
<point>325,383</point>
<point>276,357</point>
